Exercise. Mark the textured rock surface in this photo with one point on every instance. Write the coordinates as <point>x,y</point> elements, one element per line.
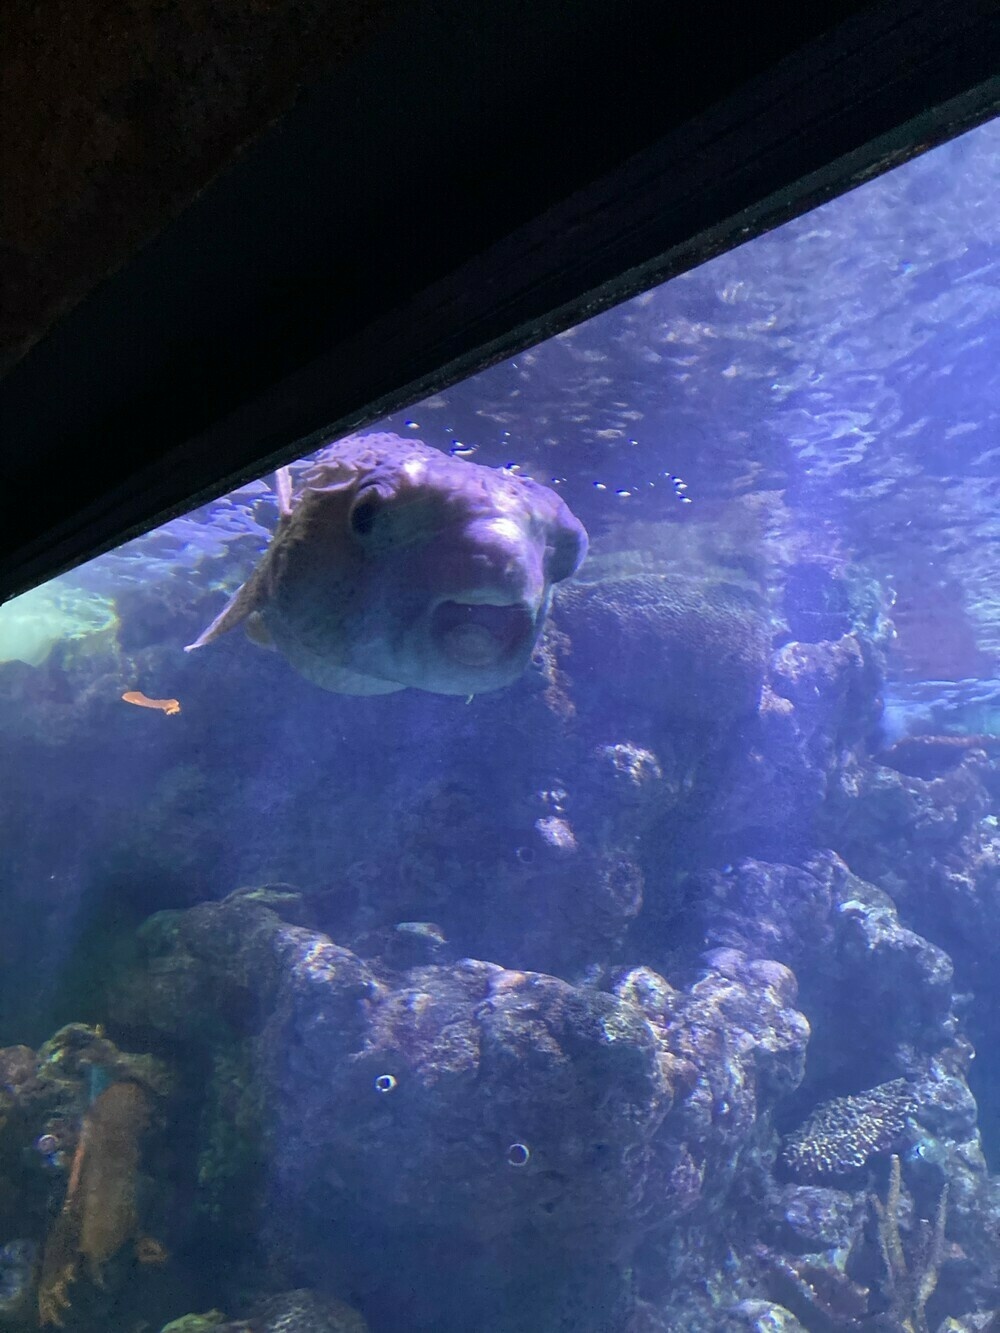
<point>558,982</point>
<point>699,652</point>
<point>855,961</point>
<point>72,1119</point>
<point>507,1112</point>
<point>818,706</point>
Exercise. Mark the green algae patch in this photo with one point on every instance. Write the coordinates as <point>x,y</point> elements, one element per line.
<point>31,625</point>
<point>196,1323</point>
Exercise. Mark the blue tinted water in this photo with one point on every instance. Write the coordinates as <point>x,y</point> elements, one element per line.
<point>539,1011</point>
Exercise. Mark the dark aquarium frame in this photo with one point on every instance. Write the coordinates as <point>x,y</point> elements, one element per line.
<point>478,179</point>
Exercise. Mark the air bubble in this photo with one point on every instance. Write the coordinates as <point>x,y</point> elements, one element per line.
<point>518,1155</point>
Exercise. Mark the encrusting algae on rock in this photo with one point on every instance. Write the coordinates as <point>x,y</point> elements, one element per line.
<point>99,1212</point>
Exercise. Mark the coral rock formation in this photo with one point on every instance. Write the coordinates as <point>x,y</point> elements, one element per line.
<point>99,1213</point>
<point>842,1135</point>
<point>508,1112</point>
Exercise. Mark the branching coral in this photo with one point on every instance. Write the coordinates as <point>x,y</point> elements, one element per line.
<point>826,1299</point>
<point>815,1290</point>
<point>909,1285</point>
<point>841,1135</point>
<point>99,1212</point>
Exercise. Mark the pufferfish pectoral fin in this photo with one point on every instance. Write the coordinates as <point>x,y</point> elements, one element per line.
<point>257,632</point>
<point>243,604</point>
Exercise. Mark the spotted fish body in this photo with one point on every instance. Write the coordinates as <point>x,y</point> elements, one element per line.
<point>399,566</point>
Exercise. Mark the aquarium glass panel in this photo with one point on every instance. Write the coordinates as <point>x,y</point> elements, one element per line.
<point>533,865</point>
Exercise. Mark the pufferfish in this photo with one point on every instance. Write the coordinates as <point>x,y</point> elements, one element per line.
<point>397,566</point>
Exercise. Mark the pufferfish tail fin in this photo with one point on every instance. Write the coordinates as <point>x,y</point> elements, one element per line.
<point>242,606</point>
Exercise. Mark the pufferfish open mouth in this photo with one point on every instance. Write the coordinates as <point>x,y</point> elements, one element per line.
<point>480,634</point>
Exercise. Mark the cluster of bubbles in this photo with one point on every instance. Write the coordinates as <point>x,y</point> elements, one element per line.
<point>679,485</point>
<point>465,449</point>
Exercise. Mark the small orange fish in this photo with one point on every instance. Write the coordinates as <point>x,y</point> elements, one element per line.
<point>168,706</point>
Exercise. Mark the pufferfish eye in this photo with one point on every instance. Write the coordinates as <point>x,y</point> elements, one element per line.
<point>565,552</point>
<point>364,512</point>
